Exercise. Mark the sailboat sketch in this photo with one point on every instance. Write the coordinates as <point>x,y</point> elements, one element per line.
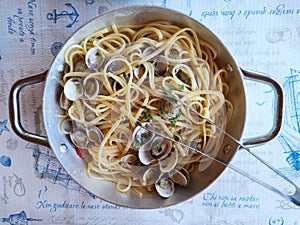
<point>290,135</point>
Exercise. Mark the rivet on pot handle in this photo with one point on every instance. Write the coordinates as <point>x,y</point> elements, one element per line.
<point>14,109</point>
<point>278,112</point>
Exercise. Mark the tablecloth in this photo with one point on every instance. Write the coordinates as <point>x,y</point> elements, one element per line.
<point>262,36</point>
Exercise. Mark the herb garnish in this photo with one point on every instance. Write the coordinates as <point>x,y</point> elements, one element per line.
<point>147,114</point>
<point>169,88</point>
<point>162,111</point>
<point>173,120</point>
<point>181,87</point>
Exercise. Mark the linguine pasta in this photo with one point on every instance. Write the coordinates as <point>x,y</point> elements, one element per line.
<point>142,73</point>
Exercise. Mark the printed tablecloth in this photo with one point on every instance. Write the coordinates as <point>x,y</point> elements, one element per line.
<point>262,36</point>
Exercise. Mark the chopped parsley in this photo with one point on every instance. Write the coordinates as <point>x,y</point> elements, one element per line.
<point>181,87</point>
<point>173,120</point>
<point>162,111</point>
<point>147,115</point>
<point>169,88</point>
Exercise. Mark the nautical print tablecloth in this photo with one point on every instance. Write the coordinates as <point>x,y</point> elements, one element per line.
<point>261,35</point>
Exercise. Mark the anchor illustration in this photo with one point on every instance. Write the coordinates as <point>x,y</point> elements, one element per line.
<point>73,15</point>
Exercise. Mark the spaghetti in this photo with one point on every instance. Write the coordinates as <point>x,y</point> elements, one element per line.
<point>121,75</point>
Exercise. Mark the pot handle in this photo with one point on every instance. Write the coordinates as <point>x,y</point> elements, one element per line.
<point>278,112</point>
<point>14,109</point>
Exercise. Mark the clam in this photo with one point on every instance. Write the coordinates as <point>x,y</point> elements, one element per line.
<point>91,88</point>
<point>130,161</point>
<point>156,149</point>
<point>128,158</point>
<point>169,163</point>
<point>181,177</point>
<point>94,58</point>
<point>117,65</point>
<point>168,109</point>
<point>80,66</point>
<point>138,71</point>
<point>150,176</point>
<point>144,154</point>
<point>79,138</point>
<point>161,65</point>
<point>141,136</point>
<point>89,115</point>
<point>160,148</point>
<point>94,135</point>
<point>73,89</point>
<point>165,187</point>
<point>64,102</point>
<point>147,51</point>
<point>181,75</point>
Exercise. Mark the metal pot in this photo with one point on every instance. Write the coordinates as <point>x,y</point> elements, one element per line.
<point>75,166</point>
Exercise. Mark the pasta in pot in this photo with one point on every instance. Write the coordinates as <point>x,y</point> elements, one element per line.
<point>122,75</point>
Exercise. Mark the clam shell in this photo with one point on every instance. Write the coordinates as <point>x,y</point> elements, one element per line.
<point>64,102</point>
<point>156,149</point>
<point>129,158</point>
<point>94,134</point>
<point>79,138</point>
<point>169,163</point>
<point>168,108</point>
<point>80,66</point>
<point>89,115</point>
<point>165,187</point>
<point>94,58</point>
<point>117,65</point>
<point>73,89</point>
<point>148,50</point>
<point>91,88</point>
<point>160,148</point>
<point>150,176</point>
<point>145,155</point>
<point>141,136</point>
<point>161,65</point>
<point>181,177</point>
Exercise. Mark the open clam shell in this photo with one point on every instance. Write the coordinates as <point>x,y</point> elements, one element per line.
<point>169,163</point>
<point>64,102</point>
<point>161,65</point>
<point>94,134</point>
<point>165,187</point>
<point>148,50</point>
<point>156,149</point>
<point>80,66</point>
<point>118,64</point>
<point>144,154</point>
<point>91,88</point>
<point>181,177</point>
<point>141,136</point>
<point>168,109</point>
<point>160,148</point>
<point>150,176</point>
<point>79,138</point>
<point>129,158</point>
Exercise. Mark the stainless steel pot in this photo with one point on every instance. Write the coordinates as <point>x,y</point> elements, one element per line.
<point>64,150</point>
